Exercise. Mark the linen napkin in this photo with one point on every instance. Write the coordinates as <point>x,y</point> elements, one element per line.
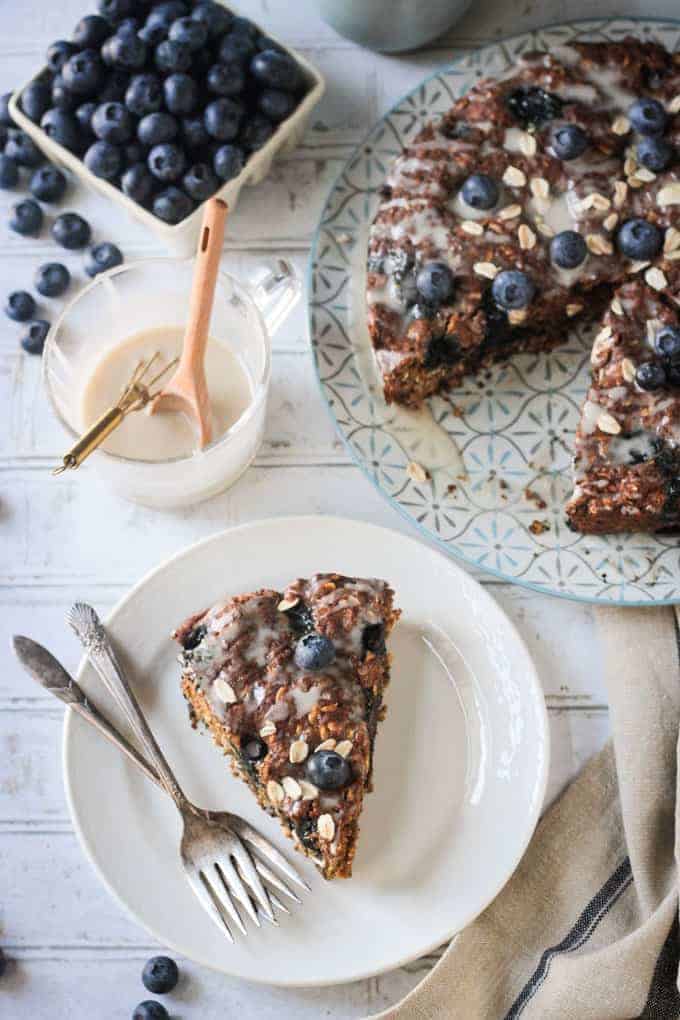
<point>587,927</point>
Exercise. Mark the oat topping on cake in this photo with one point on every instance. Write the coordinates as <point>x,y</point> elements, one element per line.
<point>291,686</point>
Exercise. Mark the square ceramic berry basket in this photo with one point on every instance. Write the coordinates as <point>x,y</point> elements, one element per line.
<point>182,237</point>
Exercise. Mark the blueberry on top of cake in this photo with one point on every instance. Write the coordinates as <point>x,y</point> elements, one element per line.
<point>291,686</point>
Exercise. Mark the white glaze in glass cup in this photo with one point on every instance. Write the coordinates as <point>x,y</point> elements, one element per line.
<point>152,293</point>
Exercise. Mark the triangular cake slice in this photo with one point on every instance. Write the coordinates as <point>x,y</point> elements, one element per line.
<point>290,684</point>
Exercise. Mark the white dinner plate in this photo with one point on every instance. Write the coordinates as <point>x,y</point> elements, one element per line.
<point>460,770</point>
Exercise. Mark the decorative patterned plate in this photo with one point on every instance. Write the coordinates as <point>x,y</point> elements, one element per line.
<point>498,452</point>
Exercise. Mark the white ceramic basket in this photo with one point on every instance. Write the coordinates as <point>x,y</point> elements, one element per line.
<point>181,239</point>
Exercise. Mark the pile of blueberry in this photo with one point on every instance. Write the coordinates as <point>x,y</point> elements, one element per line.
<point>160,976</point>
<point>664,369</point>
<point>165,100</point>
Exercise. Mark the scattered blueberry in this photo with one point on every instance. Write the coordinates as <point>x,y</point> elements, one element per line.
<point>144,94</point>
<point>52,279</point>
<point>160,974</point>
<point>91,31</point>
<point>137,183</point>
<point>156,128</point>
<point>65,128</point>
<point>82,73</point>
<point>531,104</point>
<point>112,123</point>
<point>194,132</point>
<point>253,749</point>
<point>34,340</point>
<point>275,104</point>
<point>568,249</point>
<point>26,218</point>
<point>226,79</point>
<point>647,116</point>
<point>200,182</point>
<point>435,283</point>
<point>277,70</point>
<point>228,162</point>
<point>257,131</point>
<point>667,342</point>
<point>35,99</point>
<point>216,18</point>
<point>5,115</point>
<point>9,172</point>
<point>328,770</point>
<point>639,239</point>
<point>480,191</point>
<point>181,93</point>
<point>172,56</point>
<point>62,97</point>
<point>23,150</point>
<point>125,50</point>
<point>20,306</point>
<point>655,153</point>
<point>104,159</point>
<point>190,31</point>
<point>651,375</point>
<point>222,119</point>
<point>102,257</point>
<point>569,141</point>
<point>48,184</point>
<point>71,231</point>
<point>115,10</point>
<point>166,162</point>
<point>512,289</point>
<point>172,205</point>
<point>314,651</point>
<point>58,53</point>
<point>150,1010</point>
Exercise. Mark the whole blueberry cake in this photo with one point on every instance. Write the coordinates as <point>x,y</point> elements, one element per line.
<point>523,209</point>
<point>290,684</point>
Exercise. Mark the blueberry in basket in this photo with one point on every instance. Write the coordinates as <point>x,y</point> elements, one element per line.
<point>156,128</point>
<point>166,162</point>
<point>104,159</point>
<point>66,128</point>
<point>36,99</point>
<point>138,184</point>
<point>228,162</point>
<point>172,205</point>
<point>112,122</point>
<point>200,182</point>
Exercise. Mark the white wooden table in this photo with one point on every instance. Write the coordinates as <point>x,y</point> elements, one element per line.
<point>74,952</point>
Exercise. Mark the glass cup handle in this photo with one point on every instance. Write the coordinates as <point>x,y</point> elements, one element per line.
<point>275,288</point>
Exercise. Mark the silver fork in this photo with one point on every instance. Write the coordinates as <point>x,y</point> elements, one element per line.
<point>218,849</point>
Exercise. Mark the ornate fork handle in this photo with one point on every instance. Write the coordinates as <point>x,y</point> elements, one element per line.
<point>90,632</point>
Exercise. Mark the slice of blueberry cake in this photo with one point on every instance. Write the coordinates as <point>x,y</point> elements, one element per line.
<point>290,684</point>
<point>521,208</point>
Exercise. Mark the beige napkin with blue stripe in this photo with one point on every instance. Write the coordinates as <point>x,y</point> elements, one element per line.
<point>587,927</point>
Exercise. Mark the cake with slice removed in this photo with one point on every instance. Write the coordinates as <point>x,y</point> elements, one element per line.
<point>290,685</point>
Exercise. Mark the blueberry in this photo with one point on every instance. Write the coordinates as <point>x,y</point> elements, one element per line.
<point>655,153</point>
<point>23,150</point>
<point>91,31</point>
<point>144,94</point>
<point>4,135</point>
<point>34,340</point>
<point>222,119</point>
<point>26,218</point>
<point>116,10</point>
<point>569,141</point>
<point>244,27</point>
<point>480,191</point>
<point>253,749</point>
<point>52,279</point>
<point>667,342</point>
<point>3,963</point>
<point>64,128</point>
<point>200,182</point>
<point>512,289</point>
<point>257,131</point>
<point>171,10</point>
<point>435,282</point>
<point>226,79</point>
<point>150,1010</point>
<point>156,128</point>
<point>189,31</point>
<point>639,239</point>
<point>115,86</point>
<point>48,184</point>
<point>9,172</point>
<point>129,26</point>
<point>172,56</point>
<point>328,770</point>
<point>277,70</point>
<point>647,116</point>
<point>568,249</point>
<point>228,162</point>
<point>154,31</point>
<point>20,306</point>
<point>5,115</point>
<point>104,159</point>
<point>314,651</point>
<point>194,133</point>
<point>82,73</point>
<point>138,184</point>
<point>236,46</point>
<point>172,205</point>
<point>35,99</point>
<point>58,53</point>
<point>166,162</point>
<point>134,152</point>
<point>125,50</point>
<point>275,104</point>
<point>62,97</point>
<point>181,93</point>
<point>102,257</point>
<point>533,105</point>
<point>160,975</point>
<point>650,376</point>
<point>216,18</point>
<point>71,231</point>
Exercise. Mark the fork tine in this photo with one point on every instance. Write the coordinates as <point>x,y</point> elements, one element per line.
<point>208,904</point>
<point>234,886</point>
<point>251,878</point>
<point>268,875</point>
<point>265,848</point>
<point>278,904</point>
<point>221,894</point>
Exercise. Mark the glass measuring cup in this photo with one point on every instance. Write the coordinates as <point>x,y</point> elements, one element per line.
<point>154,293</point>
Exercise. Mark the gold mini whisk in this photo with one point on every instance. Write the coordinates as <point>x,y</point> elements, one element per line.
<point>135,396</point>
